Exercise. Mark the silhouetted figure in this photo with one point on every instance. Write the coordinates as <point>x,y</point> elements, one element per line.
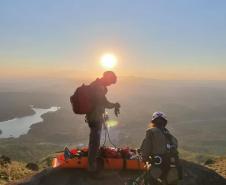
<point>159,148</point>
<point>95,117</point>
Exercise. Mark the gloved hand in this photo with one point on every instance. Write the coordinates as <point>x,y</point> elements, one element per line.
<point>117,105</point>
<point>117,109</point>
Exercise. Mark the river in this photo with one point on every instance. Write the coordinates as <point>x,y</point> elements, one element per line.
<point>20,126</point>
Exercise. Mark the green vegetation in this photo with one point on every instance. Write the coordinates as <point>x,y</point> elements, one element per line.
<point>43,153</point>
<point>200,158</point>
<point>27,152</point>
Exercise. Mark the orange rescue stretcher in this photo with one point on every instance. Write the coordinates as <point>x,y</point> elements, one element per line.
<point>111,159</point>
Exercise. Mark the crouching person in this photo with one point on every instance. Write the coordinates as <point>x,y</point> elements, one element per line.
<point>159,148</point>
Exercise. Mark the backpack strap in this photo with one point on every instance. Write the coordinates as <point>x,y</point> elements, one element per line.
<point>169,138</point>
<point>173,152</point>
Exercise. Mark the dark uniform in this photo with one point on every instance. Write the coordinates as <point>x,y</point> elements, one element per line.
<point>156,145</point>
<point>95,120</point>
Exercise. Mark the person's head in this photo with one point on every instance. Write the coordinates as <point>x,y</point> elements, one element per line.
<point>159,119</point>
<point>109,78</point>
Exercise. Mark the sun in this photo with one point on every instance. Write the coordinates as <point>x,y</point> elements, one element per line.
<point>108,61</point>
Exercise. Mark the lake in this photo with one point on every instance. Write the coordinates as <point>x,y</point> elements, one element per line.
<point>19,126</point>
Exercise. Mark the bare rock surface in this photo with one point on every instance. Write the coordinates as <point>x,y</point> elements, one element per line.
<point>194,174</point>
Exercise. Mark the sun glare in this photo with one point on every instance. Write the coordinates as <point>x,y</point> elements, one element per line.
<point>108,61</point>
<point>111,123</point>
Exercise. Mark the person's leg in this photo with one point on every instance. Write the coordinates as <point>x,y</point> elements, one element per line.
<point>153,175</point>
<point>176,183</point>
<point>153,181</point>
<point>172,183</point>
<point>94,144</point>
<point>171,177</point>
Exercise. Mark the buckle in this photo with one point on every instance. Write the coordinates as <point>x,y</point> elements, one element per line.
<point>157,160</point>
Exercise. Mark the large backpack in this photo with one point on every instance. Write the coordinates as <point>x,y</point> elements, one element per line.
<point>173,152</point>
<point>81,100</point>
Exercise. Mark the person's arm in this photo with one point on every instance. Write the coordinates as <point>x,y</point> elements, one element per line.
<point>107,103</point>
<point>174,141</point>
<point>101,99</point>
<point>146,147</point>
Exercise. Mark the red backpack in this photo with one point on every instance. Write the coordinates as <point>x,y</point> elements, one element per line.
<point>81,100</point>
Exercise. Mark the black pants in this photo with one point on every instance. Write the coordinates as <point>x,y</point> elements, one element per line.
<point>94,143</point>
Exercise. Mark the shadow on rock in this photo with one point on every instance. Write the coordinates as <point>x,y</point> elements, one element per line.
<point>194,174</point>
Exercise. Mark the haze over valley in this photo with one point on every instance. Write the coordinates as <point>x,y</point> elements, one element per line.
<point>196,111</point>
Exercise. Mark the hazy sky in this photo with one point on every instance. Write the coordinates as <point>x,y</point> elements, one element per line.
<point>162,39</point>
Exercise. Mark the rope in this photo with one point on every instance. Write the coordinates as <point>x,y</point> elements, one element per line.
<point>107,135</point>
<point>110,139</point>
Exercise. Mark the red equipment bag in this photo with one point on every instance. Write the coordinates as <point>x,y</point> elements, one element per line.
<point>81,100</point>
<point>110,152</point>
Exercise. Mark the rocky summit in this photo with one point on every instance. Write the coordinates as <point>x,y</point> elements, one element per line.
<point>194,174</point>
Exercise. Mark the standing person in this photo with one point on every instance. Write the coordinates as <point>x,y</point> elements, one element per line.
<point>95,117</point>
<point>159,148</point>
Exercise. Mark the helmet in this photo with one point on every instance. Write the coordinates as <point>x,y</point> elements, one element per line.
<point>159,115</point>
<point>110,77</point>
